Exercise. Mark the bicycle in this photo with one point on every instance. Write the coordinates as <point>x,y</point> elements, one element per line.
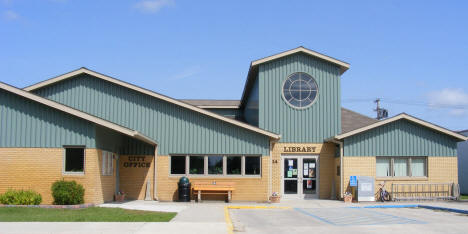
<point>382,193</point>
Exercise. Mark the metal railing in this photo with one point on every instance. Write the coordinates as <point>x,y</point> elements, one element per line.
<point>426,191</point>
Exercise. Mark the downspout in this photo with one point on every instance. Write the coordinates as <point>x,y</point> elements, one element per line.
<point>341,168</point>
<point>270,174</point>
<point>155,184</point>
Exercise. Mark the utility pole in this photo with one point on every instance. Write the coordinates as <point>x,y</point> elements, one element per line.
<point>381,112</point>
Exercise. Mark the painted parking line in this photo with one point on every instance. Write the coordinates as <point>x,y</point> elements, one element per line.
<point>460,211</point>
<point>227,217</point>
<point>356,216</point>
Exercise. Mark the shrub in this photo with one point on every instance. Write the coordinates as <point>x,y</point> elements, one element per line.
<point>20,197</point>
<point>67,193</point>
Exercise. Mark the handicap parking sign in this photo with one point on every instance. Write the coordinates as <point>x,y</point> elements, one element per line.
<point>352,181</point>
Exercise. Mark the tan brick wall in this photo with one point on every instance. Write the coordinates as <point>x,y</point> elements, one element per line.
<point>327,171</point>
<point>38,168</point>
<point>337,178</point>
<point>440,170</point>
<point>247,189</point>
<point>134,172</point>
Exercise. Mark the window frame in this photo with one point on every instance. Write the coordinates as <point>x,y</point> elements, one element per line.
<point>408,167</point>
<point>170,165</point>
<point>205,169</point>
<point>243,164</point>
<point>288,102</point>
<point>64,158</point>
<point>106,170</point>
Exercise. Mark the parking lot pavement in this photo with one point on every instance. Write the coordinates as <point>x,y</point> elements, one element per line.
<point>347,220</point>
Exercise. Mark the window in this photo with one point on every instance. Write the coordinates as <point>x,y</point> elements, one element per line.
<point>197,165</point>
<point>233,165</point>
<point>178,165</point>
<point>401,166</point>
<point>383,167</point>
<point>74,160</point>
<point>216,165</point>
<point>107,163</point>
<point>252,165</point>
<point>300,90</point>
<point>418,167</point>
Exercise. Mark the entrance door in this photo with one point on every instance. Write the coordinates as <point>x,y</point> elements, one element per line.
<point>300,176</point>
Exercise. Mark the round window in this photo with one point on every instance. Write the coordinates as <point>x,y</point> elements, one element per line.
<point>300,90</point>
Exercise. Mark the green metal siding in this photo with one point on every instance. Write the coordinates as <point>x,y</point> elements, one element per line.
<point>176,129</point>
<point>28,124</point>
<point>400,138</point>
<point>230,113</point>
<point>252,105</point>
<point>314,124</point>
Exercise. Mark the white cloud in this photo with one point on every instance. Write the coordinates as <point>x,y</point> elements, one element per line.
<point>10,15</point>
<point>454,99</point>
<point>153,6</point>
<point>188,72</point>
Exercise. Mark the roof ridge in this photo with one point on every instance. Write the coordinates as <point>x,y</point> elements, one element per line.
<point>153,94</point>
<point>75,112</point>
<point>398,117</point>
<point>360,114</point>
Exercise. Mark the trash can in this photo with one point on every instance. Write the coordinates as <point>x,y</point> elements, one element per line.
<point>184,189</point>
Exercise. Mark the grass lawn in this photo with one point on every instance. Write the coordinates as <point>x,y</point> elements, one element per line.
<point>463,197</point>
<point>92,214</point>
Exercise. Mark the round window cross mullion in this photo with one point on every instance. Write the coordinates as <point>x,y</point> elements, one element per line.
<point>300,90</point>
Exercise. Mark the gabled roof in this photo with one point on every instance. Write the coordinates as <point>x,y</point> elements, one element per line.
<point>84,70</point>
<point>253,69</point>
<point>464,132</point>
<point>351,120</point>
<point>343,65</point>
<point>399,117</point>
<point>77,113</point>
<point>213,104</point>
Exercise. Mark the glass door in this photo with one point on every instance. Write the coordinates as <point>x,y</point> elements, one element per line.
<point>300,176</point>
<point>290,175</point>
<point>309,177</point>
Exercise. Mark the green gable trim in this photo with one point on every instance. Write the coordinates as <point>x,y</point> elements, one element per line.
<point>400,138</point>
<point>175,128</point>
<point>316,123</point>
<point>251,108</point>
<point>27,124</point>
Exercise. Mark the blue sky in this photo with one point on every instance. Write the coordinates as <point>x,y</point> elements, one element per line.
<point>412,54</point>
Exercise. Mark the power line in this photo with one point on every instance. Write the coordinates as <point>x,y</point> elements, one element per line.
<point>406,102</point>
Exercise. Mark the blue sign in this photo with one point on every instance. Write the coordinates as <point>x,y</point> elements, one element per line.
<point>352,181</point>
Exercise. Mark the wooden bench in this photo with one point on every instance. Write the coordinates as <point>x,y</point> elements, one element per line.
<point>215,187</point>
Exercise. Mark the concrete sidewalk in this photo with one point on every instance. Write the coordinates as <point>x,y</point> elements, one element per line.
<point>110,227</point>
<point>209,217</point>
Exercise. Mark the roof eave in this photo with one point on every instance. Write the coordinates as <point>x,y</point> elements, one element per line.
<point>398,117</point>
<point>76,113</point>
<point>150,93</point>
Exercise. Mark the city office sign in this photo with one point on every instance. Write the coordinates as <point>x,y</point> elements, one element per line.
<point>136,161</point>
<point>299,149</point>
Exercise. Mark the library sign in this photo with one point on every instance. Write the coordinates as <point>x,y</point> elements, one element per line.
<point>299,149</point>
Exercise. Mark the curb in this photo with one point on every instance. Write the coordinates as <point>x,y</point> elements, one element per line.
<point>80,206</point>
<point>460,211</point>
<point>444,209</point>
